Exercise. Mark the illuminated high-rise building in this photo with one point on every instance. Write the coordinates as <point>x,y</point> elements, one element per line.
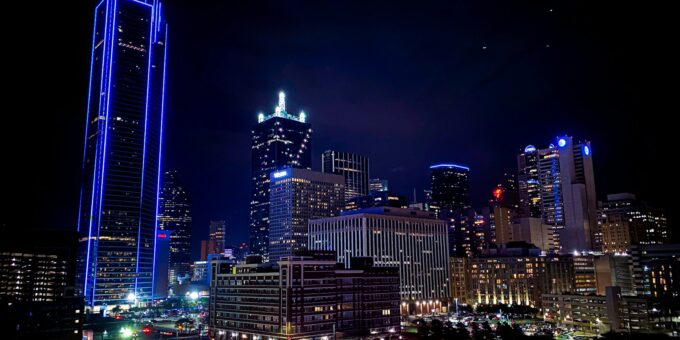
<point>218,234</point>
<point>279,139</point>
<point>175,216</point>
<point>567,194</point>
<point>122,154</point>
<point>528,183</point>
<point>450,187</point>
<point>354,168</point>
<point>298,196</point>
<point>578,198</point>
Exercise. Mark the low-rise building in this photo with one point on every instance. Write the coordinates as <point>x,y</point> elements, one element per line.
<point>305,296</point>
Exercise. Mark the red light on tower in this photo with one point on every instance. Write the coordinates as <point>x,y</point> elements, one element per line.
<point>162,235</point>
<point>498,193</point>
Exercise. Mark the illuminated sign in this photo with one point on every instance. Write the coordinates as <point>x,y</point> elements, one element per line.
<point>162,235</point>
<point>529,148</point>
<point>586,150</point>
<point>280,174</point>
<point>562,142</point>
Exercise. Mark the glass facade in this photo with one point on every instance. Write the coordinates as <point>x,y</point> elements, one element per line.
<point>354,168</point>
<point>122,153</point>
<point>175,216</point>
<point>450,187</point>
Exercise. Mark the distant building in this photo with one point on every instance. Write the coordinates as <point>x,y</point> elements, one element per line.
<point>528,182</point>
<point>200,271</point>
<point>378,184</point>
<point>626,221</point>
<point>279,139</point>
<point>354,168</point>
<point>376,199</point>
<point>218,234</point>
<point>450,184</point>
<point>304,296</point>
<point>297,196</point>
<point>175,216</point>
<point>413,240</point>
<point>532,230</point>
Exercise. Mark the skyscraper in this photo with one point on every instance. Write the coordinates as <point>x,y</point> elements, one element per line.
<point>354,168</point>
<point>528,183</point>
<point>218,234</point>
<point>578,189</point>
<point>278,139</point>
<point>298,196</point>
<point>122,154</point>
<point>175,216</point>
<point>568,201</point>
<point>450,187</point>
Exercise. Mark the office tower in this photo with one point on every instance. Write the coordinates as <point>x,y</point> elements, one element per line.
<point>377,184</point>
<point>450,187</point>
<point>354,168</point>
<point>305,296</point>
<point>122,156</point>
<point>503,220</point>
<point>164,276</point>
<point>218,234</point>
<point>278,140</point>
<point>568,201</point>
<point>37,277</point>
<point>175,217</point>
<point>528,183</point>
<point>413,240</point>
<point>578,189</point>
<point>297,196</point>
<point>506,193</point>
<point>377,199</point>
<point>625,221</point>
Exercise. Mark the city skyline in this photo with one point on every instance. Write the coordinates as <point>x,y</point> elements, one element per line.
<point>223,125</point>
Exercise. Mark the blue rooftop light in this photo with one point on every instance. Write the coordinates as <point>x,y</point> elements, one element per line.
<point>562,142</point>
<point>586,150</point>
<point>529,149</point>
<point>449,165</point>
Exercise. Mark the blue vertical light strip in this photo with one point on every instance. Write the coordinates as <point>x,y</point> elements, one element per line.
<point>160,158</point>
<point>106,135</point>
<point>87,123</point>
<point>146,123</point>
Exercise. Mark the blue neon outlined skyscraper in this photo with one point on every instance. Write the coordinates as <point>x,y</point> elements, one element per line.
<point>122,155</point>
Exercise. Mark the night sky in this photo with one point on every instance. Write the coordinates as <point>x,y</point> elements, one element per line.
<point>407,84</point>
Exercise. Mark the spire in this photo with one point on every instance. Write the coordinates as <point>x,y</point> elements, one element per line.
<point>282,102</point>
